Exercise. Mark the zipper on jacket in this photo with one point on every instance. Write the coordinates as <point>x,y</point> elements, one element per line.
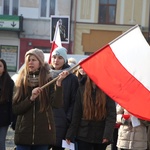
<point>20,122</point>
<point>49,125</point>
<point>33,123</point>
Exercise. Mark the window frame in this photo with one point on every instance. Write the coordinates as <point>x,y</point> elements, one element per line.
<point>10,7</point>
<point>48,11</point>
<point>107,17</point>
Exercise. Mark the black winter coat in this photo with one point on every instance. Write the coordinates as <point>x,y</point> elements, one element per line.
<point>6,107</point>
<point>91,131</point>
<point>63,115</point>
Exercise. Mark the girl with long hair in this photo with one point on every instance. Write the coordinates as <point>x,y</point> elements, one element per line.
<point>94,118</point>
<point>6,94</point>
<point>35,128</point>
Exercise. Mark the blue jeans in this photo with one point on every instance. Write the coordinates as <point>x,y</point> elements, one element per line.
<point>32,147</point>
<point>3,133</point>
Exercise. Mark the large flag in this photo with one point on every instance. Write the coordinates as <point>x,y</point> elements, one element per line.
<point>56,40</point>
<point>122,70</point>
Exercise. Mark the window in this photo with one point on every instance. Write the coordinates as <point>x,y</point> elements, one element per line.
<point>43,8</point>
<point>107,11</point>
<point>6,7</point>
<point>15,7</point>
<point>47,8</point>
<point>10,7</point>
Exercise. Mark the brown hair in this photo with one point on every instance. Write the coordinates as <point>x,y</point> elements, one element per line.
<point>77,73</point>
<point>93,110</point>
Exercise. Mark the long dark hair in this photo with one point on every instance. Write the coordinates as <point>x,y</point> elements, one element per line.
<point>5,83</point>
<point>93,110</point>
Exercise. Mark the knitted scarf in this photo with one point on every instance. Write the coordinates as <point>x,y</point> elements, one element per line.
<point>33,79</point>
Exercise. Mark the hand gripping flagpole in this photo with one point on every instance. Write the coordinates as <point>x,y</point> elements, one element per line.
<point>55,79</point>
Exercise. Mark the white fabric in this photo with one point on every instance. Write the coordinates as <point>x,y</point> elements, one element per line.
<point>133,52</point>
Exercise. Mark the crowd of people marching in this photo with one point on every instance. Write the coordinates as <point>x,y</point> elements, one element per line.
<point>49,103</point>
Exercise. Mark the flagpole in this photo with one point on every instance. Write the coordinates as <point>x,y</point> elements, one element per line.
<point>55,79</point>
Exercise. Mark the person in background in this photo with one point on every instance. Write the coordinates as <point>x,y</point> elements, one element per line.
<point>81,75</point>
<point>148,136</point>
<point>131,136</point>
<point>6,94</point>
<point>115,136</point>
<point>147,124</point>
<point>35,127</point>
<point>72,61</point>
<point>70,85</point>
<point>93,120</point>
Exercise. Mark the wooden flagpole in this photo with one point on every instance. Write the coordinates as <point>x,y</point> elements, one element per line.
<point>55,79</point>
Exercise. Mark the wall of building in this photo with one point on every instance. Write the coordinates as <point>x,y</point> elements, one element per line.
<point>36,29</point>
<point>8,38</point>
<point>87,35</point>
<point>90,36</point>
<point>26,44</point>
<point>133,12</point>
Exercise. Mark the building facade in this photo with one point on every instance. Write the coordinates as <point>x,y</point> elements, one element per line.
<point>26,24</point>
<point>100,21</point>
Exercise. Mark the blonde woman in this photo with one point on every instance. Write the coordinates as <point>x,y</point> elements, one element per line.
<point>35,128</point>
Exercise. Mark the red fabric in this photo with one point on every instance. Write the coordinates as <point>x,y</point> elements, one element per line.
<point>54,45</point>
<point>108,73</point>
<point>126,116</point>
<point>56,41</point>
<point>117,125</point>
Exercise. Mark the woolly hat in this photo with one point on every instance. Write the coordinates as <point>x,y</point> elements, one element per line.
<point>72,61</point>
<point>61,51</point>
<point>37,53</point>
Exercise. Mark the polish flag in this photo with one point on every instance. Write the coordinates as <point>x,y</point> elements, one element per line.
<point>122,70</point>
<point>56,40</point>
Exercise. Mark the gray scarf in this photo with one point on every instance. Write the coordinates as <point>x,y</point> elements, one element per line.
<point>55,73</point>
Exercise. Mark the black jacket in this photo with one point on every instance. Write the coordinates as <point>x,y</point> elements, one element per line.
<point>6,107</point>
<point>91,131</point>
<point>63,116</point>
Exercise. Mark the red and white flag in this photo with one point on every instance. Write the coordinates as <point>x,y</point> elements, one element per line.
<point>122,70</point>
<point>56,40</point>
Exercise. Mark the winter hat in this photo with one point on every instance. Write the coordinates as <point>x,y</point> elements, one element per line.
<point>61,51</point>
<point>37,53</point>
<point>72,61</point>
